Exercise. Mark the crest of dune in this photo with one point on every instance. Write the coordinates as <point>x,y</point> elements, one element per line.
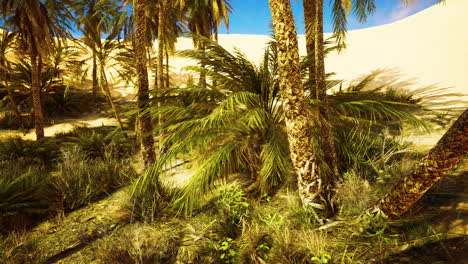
<point>430,46</point>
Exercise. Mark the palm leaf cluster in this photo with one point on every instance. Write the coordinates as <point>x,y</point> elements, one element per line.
<point>231,128</point>
<point>237,125</point>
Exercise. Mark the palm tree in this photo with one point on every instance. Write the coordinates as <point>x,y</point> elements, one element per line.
<point>144,118</point>
<point>313,16</point>
<point>238,126</point>
<point>36,22</point>
<point>216,128</point>
<point>94,17</point>
<point>163,6</point>
<point>312,188</point>
<point>327,141</point>
<point>446,154</point>
<point>103,50</point>
<point>204,18</point>
<point>6,42</point>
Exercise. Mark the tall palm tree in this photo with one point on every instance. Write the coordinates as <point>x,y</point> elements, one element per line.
<point>163,7</point>
<point>309,7</point>
<point>313,16</point>
<point>312,188</point>
<point>204,17</point>
<point>141,61</point>
<point>94,18</point>
<point>447,153</point>
<point>6,42</point>
<point>36,22</point>
<point>104,50</point>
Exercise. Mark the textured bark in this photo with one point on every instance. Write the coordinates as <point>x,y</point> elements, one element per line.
<point>309,20</point>
<point>168,79</point>
<point>146,126</point>
<point>216,39</point>
<point>94,76</point>
<point>160,65</point>
<point>36,93</point>
<point>202,80</point>
<point>326,133</point>
<point>447,153</point>
<point>298,128</point>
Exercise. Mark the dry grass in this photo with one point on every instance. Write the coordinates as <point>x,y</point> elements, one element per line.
<point>354,195</point>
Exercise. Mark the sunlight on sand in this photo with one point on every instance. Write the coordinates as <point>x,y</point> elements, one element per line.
<point>67,126</point>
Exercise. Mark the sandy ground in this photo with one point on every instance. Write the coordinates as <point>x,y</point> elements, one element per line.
<point>65,126</point>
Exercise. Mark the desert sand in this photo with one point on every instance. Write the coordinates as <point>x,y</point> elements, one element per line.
<point>430,46</point>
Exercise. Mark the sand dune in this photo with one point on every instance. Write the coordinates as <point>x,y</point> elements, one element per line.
<point>431,46</point>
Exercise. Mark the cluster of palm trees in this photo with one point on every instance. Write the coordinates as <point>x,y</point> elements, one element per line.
<point>315,187</point>
<point>268,118</point>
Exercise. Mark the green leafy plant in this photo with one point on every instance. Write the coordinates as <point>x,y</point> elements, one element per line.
<point>274,221</point>
<point>377,226</point>
<point>323,259</point>
<point>22,194</point>
<point>233,203</point>
<point>226,249</point>
<point>95,144</point>
<point>263,249</point>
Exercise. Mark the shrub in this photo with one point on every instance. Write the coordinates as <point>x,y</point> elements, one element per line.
<point>21,195</point>
<point>354,194</point>
<point>97,144</point>
<point>79,180</point>
<point>9,120</point>
<point>41,152</point>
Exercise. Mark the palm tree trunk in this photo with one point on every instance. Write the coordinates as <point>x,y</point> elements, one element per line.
<point>94,76</point>
<point>298,128</point>
<point>115,109</point>
<point>309,19</point>
<point>447,153</point>
<point>160,64</point>
<point>326,133</point>
<point>36,93</point>
<point>202,80</point>
<point>215,37</point>
<point>166,53</point>
<point>146,126</point>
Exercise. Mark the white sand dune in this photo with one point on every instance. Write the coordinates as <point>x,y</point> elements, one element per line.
<point>430,46</point>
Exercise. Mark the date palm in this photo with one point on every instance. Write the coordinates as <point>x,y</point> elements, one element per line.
<point>6,45</point>
<point>94,18</point>
<point>217,127</point>
<point>204,17</point>
<point>313,17</point>
<point>313,189</point>
<point>36,23</point>
<point>141,62</point>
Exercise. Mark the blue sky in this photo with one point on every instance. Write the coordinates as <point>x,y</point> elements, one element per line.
<point>253,16</point>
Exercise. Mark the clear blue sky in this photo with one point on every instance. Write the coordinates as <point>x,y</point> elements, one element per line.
<point>253,16</point>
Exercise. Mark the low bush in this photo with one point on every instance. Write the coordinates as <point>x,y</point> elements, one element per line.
<point>22,193</point>
<point>354,194</point>
<point>42,152</point>
<point>80,180</point>
<point>9,120</point>
<point>98,144</point>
